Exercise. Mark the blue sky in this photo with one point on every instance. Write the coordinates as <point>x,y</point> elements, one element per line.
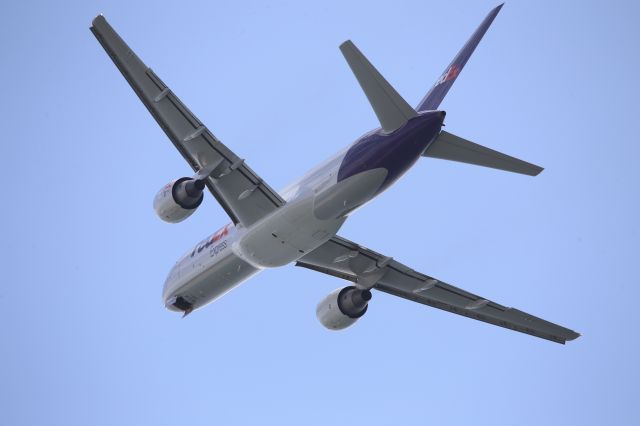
<point>85,337</point>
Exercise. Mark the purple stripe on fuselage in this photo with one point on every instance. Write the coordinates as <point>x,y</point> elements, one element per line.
<point>396,152</point>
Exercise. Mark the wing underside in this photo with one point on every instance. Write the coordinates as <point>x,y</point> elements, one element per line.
<point>345,259</point>
<point>244,195</point>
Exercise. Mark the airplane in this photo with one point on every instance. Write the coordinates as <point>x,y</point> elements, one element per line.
<point>300,224</point>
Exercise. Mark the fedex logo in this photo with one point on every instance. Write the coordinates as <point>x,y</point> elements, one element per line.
<point>449,74</point>
<point>214,238</point>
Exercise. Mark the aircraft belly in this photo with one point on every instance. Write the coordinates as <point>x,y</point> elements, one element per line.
<point>348,194</point>
<point>287,234</point>
<point>210,282</point>
<point>395,152</point>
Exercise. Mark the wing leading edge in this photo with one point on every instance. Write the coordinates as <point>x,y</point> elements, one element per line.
<point>244,195</point>
<point>345,259</point>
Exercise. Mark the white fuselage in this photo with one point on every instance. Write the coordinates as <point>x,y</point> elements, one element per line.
<point>225,259</point>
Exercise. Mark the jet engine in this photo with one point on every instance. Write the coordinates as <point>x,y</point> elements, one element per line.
<point>343,307</point>
<point>177,200</point>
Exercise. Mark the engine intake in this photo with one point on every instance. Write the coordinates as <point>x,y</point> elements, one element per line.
<point>177,200</point>
<point>342,308</point>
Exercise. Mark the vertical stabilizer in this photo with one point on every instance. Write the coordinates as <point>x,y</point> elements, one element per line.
<point>439,90</point>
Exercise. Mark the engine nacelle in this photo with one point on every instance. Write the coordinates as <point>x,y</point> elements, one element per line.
<point>177,200</point>
<point>343,307</point>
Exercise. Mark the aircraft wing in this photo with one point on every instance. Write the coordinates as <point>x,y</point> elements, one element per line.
<point>345,259</point>
<point>244,195</point>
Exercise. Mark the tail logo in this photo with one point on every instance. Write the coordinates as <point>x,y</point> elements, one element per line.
<point>449,74</point>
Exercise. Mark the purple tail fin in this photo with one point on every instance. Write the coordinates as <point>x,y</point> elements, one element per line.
<point>439,90</point>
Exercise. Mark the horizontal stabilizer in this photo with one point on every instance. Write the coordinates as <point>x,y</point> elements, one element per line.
<point>451,147</point>
<point>392,111</point>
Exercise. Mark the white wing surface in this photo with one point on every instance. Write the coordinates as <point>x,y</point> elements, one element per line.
<point>244,195</point>
<point>345,259</point>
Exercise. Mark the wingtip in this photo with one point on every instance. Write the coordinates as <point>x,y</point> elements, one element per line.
<point>99,17</point>
<point>568,337</point>
<point>345,44</point>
